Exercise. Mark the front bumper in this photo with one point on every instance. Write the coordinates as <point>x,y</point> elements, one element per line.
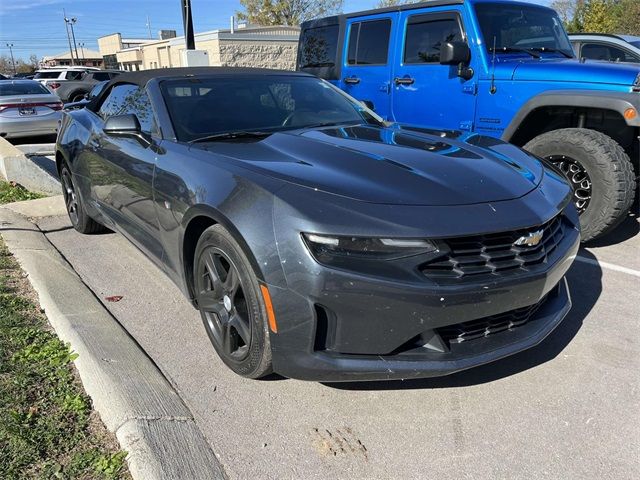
<point>374,325</point>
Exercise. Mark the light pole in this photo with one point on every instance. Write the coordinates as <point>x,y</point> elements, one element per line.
<point>71,21</point>
<point>66,27</point>
<point>13,62</point>
<point>82,49</point>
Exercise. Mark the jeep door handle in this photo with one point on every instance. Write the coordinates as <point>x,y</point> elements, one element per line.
<point>352,80</point>
<point>403,81</point>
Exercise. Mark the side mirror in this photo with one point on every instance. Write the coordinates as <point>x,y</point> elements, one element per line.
<point>453,53</point>
<point>126,126</point>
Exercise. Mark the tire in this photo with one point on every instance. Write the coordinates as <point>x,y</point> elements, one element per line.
<point>82,222</point>
<point>231,305</point>
<point>588,157</point>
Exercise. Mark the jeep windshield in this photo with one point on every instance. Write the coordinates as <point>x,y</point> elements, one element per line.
<point>522,29</point>
<point>253,106</point>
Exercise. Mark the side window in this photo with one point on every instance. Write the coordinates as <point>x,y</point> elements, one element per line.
<point>600,51</point>
<point>425,36</point>
<point>369,42</point>
<point>74,75</point>
<point>318,47</point>
<point>128,98</point>
<point>101,76</point>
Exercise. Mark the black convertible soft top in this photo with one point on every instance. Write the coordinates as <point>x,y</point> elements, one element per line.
<point>143,76</point>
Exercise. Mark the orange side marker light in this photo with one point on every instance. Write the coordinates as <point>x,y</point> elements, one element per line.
<point>630,113</point>
<point>267,303</point>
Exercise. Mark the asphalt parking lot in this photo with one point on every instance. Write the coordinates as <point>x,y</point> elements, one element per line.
<point>569,408</point>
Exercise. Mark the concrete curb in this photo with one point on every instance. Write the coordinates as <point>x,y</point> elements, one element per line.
<point>16,167</point>
<point>133,398</point>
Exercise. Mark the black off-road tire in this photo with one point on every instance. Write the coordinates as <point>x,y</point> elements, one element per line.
<point>610,171</point>
<point>254,361</point>
<point>82,222</point>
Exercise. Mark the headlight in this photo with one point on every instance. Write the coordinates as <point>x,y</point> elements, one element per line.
<point>326,247</point>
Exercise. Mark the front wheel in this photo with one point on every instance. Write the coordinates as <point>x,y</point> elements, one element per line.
<point>229,298</point>
<point>599,172</point>
<point>82,222</point>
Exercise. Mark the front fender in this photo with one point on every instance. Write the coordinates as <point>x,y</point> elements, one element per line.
<point>615,101</point>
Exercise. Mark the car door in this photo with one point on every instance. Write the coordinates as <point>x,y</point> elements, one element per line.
<point>367,63</point>
<point>122,168</point>
<point>424,91</point>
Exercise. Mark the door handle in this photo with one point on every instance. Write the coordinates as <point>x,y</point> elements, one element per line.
<point>352,80</point>
<point>403,81</point>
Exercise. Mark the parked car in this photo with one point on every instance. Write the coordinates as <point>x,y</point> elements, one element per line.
<point>23,75</point>
<point>75,90</point>
<point>27,108</point>
<point>317,241</point>
<point>503,69</point>
<point>611,48</point>
<point>60,74</point>
<point>95,92</point>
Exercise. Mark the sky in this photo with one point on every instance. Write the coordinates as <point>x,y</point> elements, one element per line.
<point>37,26</point>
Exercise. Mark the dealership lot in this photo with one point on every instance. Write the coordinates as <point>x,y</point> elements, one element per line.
<point>568,408</point>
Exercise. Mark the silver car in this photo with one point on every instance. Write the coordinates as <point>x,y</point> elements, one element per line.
<point>27,108</point>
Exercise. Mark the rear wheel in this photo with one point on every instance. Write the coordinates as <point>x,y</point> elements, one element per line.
<point>599,172</point>
<point>75,209</point>
<point>230,304</point>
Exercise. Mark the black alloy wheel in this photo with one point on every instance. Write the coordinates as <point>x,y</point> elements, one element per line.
<point>69,193</point>
<point>578,178</point>
<point>231,304</point>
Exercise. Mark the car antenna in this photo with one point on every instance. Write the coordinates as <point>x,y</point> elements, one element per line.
<point>492,88</point>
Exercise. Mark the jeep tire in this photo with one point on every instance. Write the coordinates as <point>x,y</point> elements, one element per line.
<point>599,171</point>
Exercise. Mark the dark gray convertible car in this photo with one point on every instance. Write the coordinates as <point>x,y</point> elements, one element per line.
<point>316,240</point>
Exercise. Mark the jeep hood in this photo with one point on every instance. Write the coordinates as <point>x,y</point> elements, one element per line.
<point>565,70</point>
<point>392,165</point>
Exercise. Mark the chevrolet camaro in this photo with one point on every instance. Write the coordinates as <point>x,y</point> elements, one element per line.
<point>316,240</point>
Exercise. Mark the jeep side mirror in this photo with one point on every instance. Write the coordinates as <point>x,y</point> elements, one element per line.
<point>453,53</point>
<point>126,126</point>
<point>457,53</point>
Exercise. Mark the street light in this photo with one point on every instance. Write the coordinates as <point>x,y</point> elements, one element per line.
<point>82,49</point>
<point>13,62</point>
<point>71,21</point>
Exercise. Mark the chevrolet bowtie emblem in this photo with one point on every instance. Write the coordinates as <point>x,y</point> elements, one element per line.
<point>530,240</point>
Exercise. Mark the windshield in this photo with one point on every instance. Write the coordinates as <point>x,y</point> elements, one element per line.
<point>518,27</point>
<point>47,75</point>
<point>200,107</point>
<point>22,88</point>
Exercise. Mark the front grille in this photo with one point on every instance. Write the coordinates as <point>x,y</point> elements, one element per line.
<point>475,257</point>
<point>483,327</point>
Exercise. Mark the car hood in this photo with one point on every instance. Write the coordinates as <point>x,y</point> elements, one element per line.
<point>402,166</point>
<point>565,70</point>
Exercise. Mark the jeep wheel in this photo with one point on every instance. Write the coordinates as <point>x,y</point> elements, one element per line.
<point>599,171</point>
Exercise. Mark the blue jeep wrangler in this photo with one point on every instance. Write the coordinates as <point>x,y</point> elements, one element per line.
<point>499,68</point>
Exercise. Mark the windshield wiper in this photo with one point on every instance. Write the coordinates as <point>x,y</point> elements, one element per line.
<point>231,136</point>
<point>551,50</point>
<point>514,50</point>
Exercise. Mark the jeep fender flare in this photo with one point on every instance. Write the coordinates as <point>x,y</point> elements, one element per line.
<point>614,101</point>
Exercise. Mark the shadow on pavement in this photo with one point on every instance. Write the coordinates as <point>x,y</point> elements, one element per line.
<point>35,139</point>
<point>585,285</point>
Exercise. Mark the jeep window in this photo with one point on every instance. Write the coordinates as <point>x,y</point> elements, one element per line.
<point>318,47</point>
<point>524,28</point>
<point>369,42</point>
<point>257,103</point>
<point>599,51</point>
<point>425,36</point>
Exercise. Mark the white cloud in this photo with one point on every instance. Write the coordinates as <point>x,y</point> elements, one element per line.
<point>7,6</point>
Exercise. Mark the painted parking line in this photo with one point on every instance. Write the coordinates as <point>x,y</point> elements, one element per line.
<point>609,266</point>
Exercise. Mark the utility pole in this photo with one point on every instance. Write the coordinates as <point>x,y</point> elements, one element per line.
<point>13,62</point>
<point>82,49</point>
<point>149,26</point>
<point>187,20</point>
<point>66,26</point>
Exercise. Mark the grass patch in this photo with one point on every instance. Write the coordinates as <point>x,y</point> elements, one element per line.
<point>13,192</point>
<point>47,426</point>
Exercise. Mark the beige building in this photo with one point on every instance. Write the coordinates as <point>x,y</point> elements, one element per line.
<point>251,46</point>
<point>86,58</point>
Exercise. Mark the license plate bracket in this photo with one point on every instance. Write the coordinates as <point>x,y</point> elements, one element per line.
<point>26,111</point>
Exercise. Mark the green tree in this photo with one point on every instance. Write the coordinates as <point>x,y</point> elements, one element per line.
<point>600,16</point>
<point>627,15</point>
<point>286,12</point>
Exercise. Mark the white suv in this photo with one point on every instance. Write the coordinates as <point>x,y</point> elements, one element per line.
<point>60,74</point>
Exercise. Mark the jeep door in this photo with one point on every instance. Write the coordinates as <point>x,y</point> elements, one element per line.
<point>367,63</point>
<point>423,91</point>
